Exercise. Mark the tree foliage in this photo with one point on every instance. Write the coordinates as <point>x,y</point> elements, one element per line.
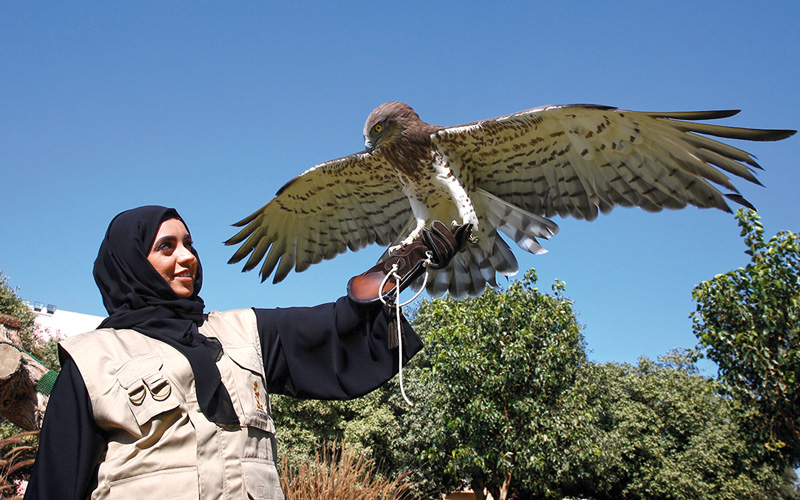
<point>661,430</point>
<point>10,303</point>
<point>502,376</point>
<point>366,424</point>
<point>748,321</point>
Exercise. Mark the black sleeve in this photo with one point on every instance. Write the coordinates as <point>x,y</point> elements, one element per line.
<point>70,443</point>
<point>337,350</point>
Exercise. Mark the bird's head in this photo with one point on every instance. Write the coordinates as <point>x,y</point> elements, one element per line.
<point>386,124</point>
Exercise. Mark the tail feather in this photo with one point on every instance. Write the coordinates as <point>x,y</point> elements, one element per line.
<point>502,258</point>
<point>518,224</point>
<point>471,270</point>
<point>438,281</point>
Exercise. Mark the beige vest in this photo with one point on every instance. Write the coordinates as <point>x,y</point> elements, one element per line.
<point>160,443</point>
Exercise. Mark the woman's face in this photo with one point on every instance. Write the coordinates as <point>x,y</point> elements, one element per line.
<point>171,256</point>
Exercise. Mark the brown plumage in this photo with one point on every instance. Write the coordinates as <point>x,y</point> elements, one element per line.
<point>403,138</point>
<point>505,174</point>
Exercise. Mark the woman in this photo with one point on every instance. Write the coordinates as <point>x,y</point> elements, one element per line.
<point>166,400</point>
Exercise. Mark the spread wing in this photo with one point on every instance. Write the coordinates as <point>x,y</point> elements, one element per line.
<point>346,203</point>
<point>580,159</point>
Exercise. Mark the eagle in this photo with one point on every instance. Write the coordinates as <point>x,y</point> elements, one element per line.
<point>509,175</point>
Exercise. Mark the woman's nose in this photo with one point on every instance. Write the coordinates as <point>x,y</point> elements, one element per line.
<point>185,256</point>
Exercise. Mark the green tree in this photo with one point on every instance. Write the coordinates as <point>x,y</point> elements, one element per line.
<point>661,430</point>
<point>502,379</point>
<point>366,424</point>
<point>10,303</point>
<point>748,321</point>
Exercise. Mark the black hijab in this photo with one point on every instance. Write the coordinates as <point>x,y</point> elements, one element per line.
<point>137,297</point>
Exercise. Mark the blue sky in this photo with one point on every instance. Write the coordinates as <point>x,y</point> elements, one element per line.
<point>210,107</point>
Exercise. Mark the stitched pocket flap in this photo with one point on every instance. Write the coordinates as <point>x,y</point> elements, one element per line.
<point>149,391</point>
<point>137,369</point>
<point>261,479</point>
<point>246,356</point>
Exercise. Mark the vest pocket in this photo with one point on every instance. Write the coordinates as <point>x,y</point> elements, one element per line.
<point>250,387</point>
<point>149,391</point>
<point>261,479</point>
<point>181,483</point>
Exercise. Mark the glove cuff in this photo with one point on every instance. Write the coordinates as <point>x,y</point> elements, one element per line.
<point>409,261</point>
<point>437,246</point>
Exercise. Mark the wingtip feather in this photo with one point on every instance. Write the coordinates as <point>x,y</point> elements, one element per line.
<point>740,200</point>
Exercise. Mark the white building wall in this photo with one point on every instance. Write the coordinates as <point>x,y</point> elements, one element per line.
<point>62,324</point>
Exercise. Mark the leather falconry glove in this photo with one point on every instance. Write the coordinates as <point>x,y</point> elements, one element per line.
<point>441,243</point>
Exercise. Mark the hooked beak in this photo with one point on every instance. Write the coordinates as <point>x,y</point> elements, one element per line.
<point>368,145</point>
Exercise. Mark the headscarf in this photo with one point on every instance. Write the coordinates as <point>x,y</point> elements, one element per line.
<point>137,297</point>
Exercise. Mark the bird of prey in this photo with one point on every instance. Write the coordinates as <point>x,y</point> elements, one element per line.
<point>504,175</point>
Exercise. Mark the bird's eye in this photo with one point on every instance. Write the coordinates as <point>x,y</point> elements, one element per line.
<point>377,128</point>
